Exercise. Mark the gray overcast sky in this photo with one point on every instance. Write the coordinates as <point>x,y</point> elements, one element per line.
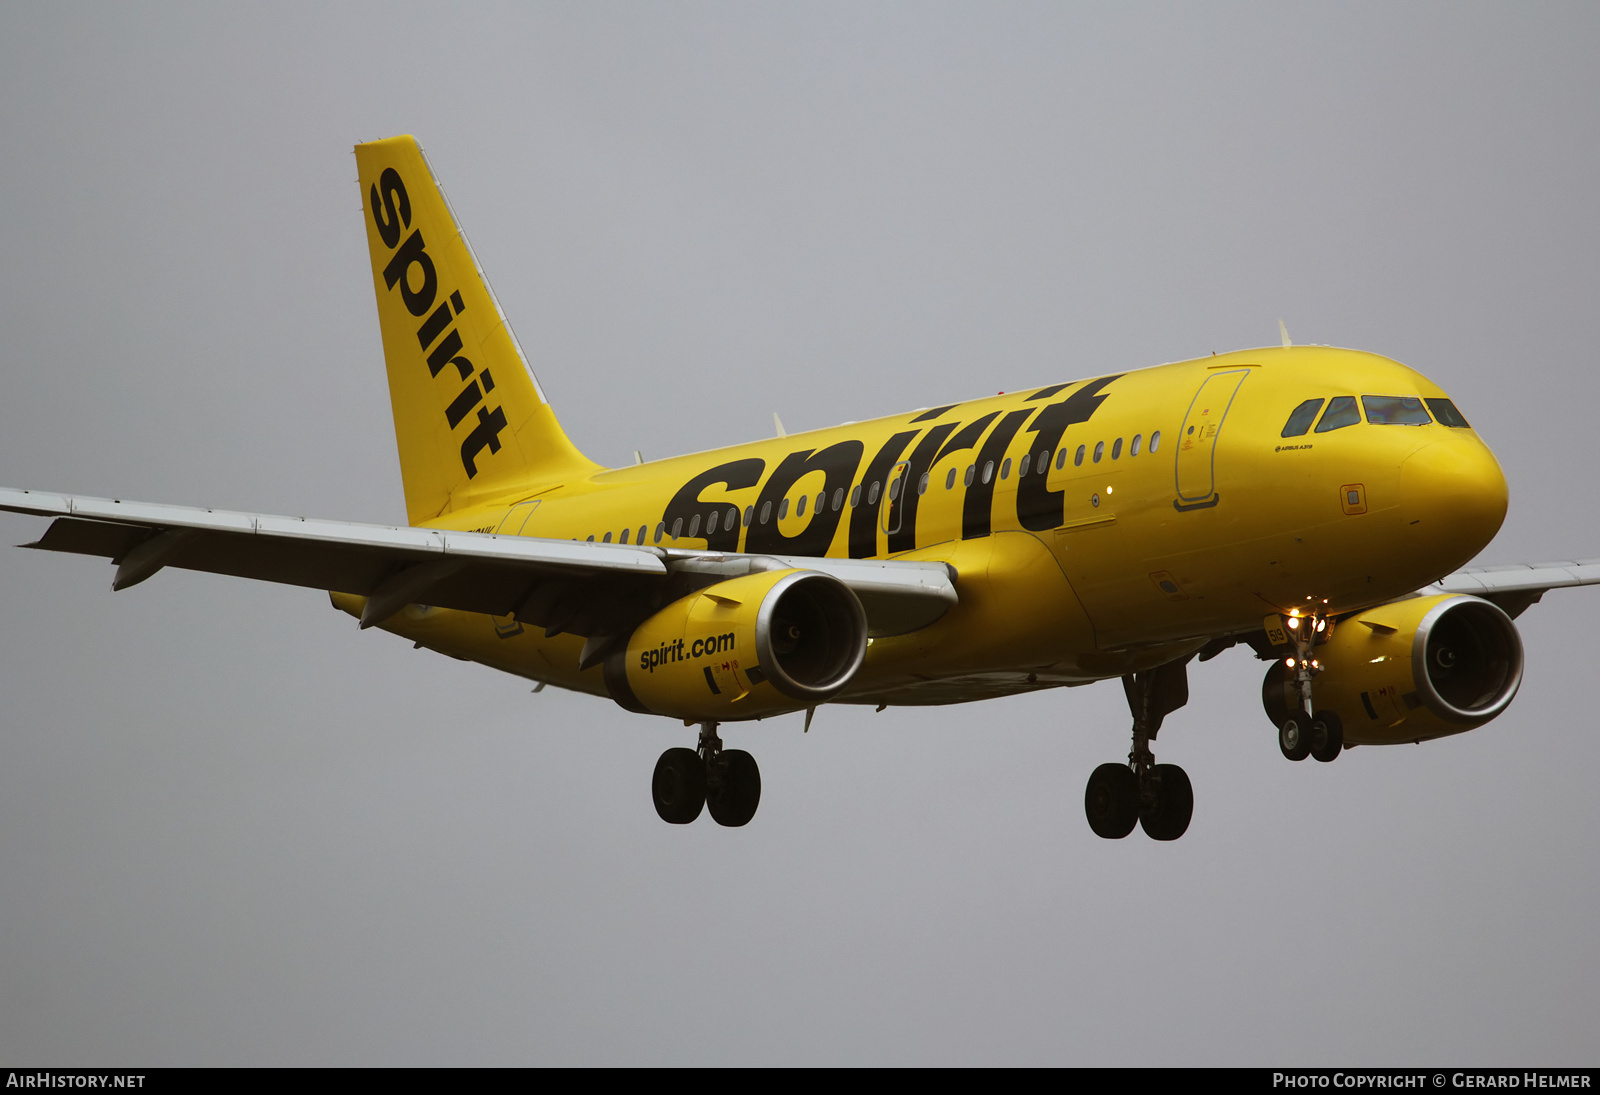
<point>235,830</point>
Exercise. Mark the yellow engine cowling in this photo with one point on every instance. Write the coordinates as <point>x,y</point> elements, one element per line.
<point>745,648</point>
<point>1411,670</point>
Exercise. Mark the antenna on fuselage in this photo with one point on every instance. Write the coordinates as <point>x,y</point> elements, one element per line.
<point>777,424</point>
<point>1284,331</point>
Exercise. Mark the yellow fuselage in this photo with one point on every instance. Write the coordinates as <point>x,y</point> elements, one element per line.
<point>1187,516</point>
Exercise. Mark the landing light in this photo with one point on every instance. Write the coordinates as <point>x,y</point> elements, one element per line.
<point>1289,662</point>
<point>1294,621</point>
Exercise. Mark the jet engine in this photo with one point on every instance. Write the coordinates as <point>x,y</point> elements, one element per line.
<point>1411,670</point>
<point>744,648</point>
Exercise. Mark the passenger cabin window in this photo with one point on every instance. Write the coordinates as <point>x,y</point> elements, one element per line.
<point>1027,462</point>
<point>677,527</point>
<point>1061,458</point>
<point>661,530</point>
<point>694,526</point>
<point>624,539</point>
<point>1341,412</point>
<point>1301,417</point>
<point>838,495</point>
<point>1005,469</point>
<point>855,498</point>
<point>800,506</point>
<point>1077,460</point>
<point>1155,441</point>
<point>1133,446</point>
<point>766,511</point>
<point>640,540</point>
<point>1099,450</point>
<point>1116,449</point>
<point>1447,415</point>
<point>950,480</point>
<point>749,516</point>
<point>1395,410</point>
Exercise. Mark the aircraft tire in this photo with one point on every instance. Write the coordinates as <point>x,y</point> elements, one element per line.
<point>1111,801</point>
<point>1294,736</point>
<point>679,786</point>
<point>1327,736</point>
<point>734,802</point>
<point>1172,805</point>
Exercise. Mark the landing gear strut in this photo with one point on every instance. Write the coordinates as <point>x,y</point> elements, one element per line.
<point>1302,733</point>
<point>1157,796</point>
<point>726,781</point>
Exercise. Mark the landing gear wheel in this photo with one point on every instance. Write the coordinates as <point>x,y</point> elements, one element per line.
<point>679,786</point>
<point>1165,816</point>
<point>1294,736</point>
<point>1327,736</point>
<point>1111,801</point>
<point>733,797</point>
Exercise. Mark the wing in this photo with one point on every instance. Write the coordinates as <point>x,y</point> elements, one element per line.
<point>1516,586</point>
<point>585,588</point>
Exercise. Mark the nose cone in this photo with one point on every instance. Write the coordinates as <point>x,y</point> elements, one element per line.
<point>1452,498</point>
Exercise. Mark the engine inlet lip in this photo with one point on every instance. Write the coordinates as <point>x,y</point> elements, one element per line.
<point>1419,661</point>
<point>781,680</point>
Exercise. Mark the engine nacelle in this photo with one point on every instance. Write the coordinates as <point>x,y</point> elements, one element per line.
<point>1411,670</point>
<point>745,648</point>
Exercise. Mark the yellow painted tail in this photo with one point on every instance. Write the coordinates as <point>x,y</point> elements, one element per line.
<point>470,419</point>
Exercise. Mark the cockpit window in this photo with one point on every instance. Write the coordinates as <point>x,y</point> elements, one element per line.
<point>1341,412</point>
<point>1445,411</point>
<point>1300,421</point>
<point>1395,410</point>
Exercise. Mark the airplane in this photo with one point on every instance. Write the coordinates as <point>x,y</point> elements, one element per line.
<point>1316,505</point>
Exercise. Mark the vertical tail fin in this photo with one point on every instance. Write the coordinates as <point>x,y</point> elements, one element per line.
<point>469,417</point>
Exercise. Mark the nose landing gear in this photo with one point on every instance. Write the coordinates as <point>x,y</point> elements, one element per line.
<point>1327,736</point>
<point>1302,733</point>
<point>1158,796</point>
<point>727,782</point>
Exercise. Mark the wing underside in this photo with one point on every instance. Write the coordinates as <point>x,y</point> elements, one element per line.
<point>581,588</point>
<point>1516,586</point>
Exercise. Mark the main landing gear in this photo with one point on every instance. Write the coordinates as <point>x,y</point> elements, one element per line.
<point>725,781</point>
<point>1158,797</point>
<point>1302,734</point>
